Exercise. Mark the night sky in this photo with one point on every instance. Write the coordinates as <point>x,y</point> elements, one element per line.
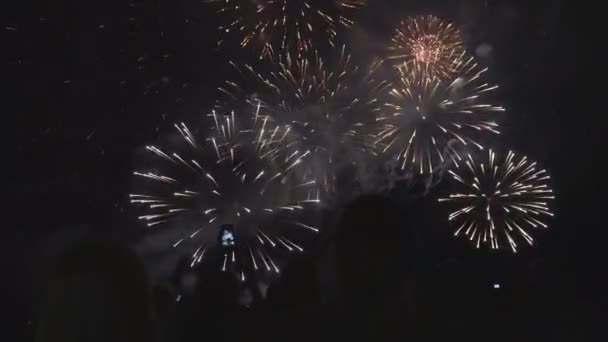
<point>87,84</point>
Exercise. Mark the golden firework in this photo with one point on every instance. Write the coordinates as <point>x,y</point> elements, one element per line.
<point>428,44</point>
<point>427,121</point>
<point>500,202</point>
<point>327,107</point>
<point>274,27</point>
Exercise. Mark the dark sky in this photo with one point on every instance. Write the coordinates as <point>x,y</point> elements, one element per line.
<point>88,83</point>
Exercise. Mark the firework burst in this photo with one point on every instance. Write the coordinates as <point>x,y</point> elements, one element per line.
<point>500,202</point>
<point>427,121</point>
<point>427,44</point>
<point>323,111</point>
<point>272,26</point>
<point>232,177</point>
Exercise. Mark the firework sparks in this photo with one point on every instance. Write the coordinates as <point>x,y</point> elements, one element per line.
<point>233,176</point>
<point>323,111</point>
<point>426,43</point>
<point>272,26</point>
<point>427,120</point>
<point>502,202</point>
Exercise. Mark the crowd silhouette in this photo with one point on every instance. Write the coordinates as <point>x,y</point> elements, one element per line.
<point>371,290</point>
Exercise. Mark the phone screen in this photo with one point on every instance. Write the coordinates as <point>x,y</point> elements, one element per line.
<point>227,236</point>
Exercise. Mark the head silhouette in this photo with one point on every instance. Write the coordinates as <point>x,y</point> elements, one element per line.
<point>372,244</point>
<point>213,306</point>
<point>98,291</point>
<point>297,288</point>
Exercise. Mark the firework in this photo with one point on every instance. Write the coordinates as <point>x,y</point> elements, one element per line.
<point>500,202</point>
<point>427,121</point>
<point>426,43</point>
<point>272,26</point>
<point>232,176</point>
<point>324,112</point>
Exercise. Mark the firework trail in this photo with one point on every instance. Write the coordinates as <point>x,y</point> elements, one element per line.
<point>234,177</point>
<point>427,122</point>
<point>326,110</point>
<point>280,26</point>
<point>429,45</point>
<point>500,202</point>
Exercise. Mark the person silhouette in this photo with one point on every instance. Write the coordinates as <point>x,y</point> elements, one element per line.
<point>293,301</point>
<point>212,311</point>
<point>373,251</point>
<point>98,291</point>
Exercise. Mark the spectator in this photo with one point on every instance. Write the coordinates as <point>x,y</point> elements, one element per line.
<point>212,311</point>
<point>373,254</point>
<point>97,292</point>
